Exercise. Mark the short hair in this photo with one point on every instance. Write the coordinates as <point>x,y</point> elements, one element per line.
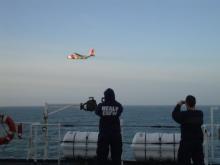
<point>190,101</point>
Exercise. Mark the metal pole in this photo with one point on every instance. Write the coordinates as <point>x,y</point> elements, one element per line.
<point>45,129</point>
<point>35,143</point>
<point>122,133</point>
<point>30,146</point>
<point>205,144</point>
<point>212,132</point>
<point>59,140</point>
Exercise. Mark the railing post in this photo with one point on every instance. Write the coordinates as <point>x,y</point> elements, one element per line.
<point>30,144</point>
<point>205,144</point>
<point>212,132</point>
<point>45,129</point>
<point>59,140</point>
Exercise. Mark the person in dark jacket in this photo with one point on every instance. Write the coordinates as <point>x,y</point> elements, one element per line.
<point>109,112</point>
<point>191,132</point>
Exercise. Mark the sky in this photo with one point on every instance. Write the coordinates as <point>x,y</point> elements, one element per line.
<point>151,52</point>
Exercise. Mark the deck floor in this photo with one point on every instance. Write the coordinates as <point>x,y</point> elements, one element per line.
<point>76,162</point>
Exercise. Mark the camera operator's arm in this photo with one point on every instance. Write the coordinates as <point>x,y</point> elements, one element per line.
<point>98,110</point>
<point>177,115</point>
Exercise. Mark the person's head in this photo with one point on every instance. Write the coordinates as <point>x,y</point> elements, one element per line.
<point>190,102</point>
<point>109,95</point>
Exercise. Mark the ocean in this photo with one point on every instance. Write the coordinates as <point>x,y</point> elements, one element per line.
<point>134,119</point>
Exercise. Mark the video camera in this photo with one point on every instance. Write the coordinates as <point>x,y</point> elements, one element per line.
<point>90,105</point>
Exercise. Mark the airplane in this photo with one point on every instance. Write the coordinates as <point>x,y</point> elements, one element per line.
<point>77,56</point>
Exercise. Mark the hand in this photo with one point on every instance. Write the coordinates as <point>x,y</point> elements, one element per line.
<point>181,102</point>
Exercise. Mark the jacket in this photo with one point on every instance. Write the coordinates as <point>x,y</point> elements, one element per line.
<point>109,112</point>
<point>190,121</point>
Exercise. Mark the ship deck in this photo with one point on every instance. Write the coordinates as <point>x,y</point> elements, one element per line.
<point>77,162</point>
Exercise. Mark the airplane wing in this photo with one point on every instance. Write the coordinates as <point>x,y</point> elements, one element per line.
<point>79,55</point>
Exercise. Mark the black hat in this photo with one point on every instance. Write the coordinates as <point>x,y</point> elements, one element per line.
<point>190,100</point>
<point>109,94</point>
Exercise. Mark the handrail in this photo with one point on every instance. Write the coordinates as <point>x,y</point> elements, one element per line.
<point>59,126</point>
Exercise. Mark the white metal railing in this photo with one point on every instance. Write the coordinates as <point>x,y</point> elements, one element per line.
<point>22,144</point>
<point>39,135</point>
<point>39,145</point>
<point>212,143</point>
<point>39,141</point>
<point>211,134</point>
<point>212,138</point>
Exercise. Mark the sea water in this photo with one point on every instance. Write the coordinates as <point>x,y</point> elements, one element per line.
<point>134,119</point>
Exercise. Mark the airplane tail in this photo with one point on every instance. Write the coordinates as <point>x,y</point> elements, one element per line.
<point>92,52</point>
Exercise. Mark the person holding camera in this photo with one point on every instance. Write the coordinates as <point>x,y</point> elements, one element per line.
<point>191,132</point>
<point>109,112</point>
